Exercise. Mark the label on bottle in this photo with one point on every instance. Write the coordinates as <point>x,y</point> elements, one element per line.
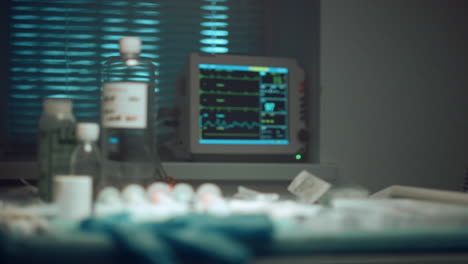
<point>124,105</point>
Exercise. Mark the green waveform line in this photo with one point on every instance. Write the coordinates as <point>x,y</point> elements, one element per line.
<point>230,108</point>
<point>233,124</point>
<point>229,93</point>
<point>228,77</point>
<point>232,134</point>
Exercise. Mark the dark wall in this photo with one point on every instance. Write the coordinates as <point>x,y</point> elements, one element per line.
<point>395,91</point>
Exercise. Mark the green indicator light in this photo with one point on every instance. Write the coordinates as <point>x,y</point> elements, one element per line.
<point>298,156</point>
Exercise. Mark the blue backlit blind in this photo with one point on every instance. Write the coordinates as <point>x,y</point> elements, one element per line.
<point>57,46</point>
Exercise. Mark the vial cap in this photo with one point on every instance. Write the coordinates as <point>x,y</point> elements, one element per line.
<point>109,195</point>
<point>183,192</point>
<point>134,193</point>
<point>130,45</point>
<point>57,105</point>
<point>88,132</point>
<point>209,188</point>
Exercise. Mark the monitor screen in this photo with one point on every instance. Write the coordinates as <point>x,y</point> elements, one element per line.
<point>242,104</point>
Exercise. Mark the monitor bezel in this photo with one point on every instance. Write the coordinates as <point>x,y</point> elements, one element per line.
<point>295,83</point>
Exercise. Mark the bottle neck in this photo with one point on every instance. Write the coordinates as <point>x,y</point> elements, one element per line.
<point>87,142</point>
<point>127,56</point>
<point>88,146</point>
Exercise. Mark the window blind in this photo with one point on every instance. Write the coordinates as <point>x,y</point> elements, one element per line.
<point>57,46</point>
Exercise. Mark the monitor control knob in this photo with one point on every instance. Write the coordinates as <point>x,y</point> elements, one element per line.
<point>303,135</point>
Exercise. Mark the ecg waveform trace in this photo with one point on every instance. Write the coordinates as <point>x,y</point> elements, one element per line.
<point>237,104</point>
<point>224,124</point>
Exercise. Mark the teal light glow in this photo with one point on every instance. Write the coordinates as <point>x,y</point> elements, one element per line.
<point>25,17</point>
<point>72,96</point>
<point>63,10</point>
<point>217,33</point>
<point>109,54</point>
<point>214,24</point>
<point>25,43</point>
<point>298,156</point>
<point>68,53</point>
<point>214,49</point>
<point>60,71</point>
<point>24,87</point>
<point>59,79</point>
<point>215,8</point>
<point>111,37</point>
<point>25,70</point>
<point>26,35</point>
<point>112,46</point>
<point>216,16</point>
<point>25,26</point>
<point>143,4</point>
<point>146,22</point>
<point>115,29</point>
<point>147,30</point>
<point>150,47</point>
<point>153,56</point>
<point>70,36</point>
<point>81,45</point>
<point>86,105</point>
<point>74,19</point>
<point>114,20</point>
<point>214,41</point>
<point>150,39</point>
<point>85,63</point>
<point>118,3</point>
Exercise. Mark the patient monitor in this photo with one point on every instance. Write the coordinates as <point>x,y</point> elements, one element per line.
<point>242,108</point>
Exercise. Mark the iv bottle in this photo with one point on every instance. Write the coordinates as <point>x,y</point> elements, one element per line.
<point>56,142</point>
<point>128,117</point>
<point>86,158</point>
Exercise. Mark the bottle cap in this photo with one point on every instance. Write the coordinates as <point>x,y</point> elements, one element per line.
<point>157,190</point>
<point>183,192</point>
<point>130,45</point>
<point>209,189</point>
<point>57,105</point>
<point>87,132</point>
<point>109,195</point>
<point>134,194</point>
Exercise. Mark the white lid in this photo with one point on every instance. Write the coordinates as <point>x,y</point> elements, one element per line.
<point>130,45</point>
<point>183,192</point>
<point>57,105</point>
<point>109,195</point>
<point>134,193</point>
<point>88,132</point>
<point>209,188</point>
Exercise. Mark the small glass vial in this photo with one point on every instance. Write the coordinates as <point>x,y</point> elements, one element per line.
<point>86,158</point>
